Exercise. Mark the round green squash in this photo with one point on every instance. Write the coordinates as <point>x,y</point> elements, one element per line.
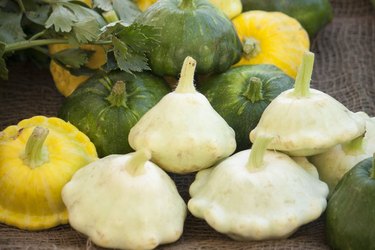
<point>106,108</point>
<point>241,94</point>
<point>193,28</point>
<point>312,14</point>
<point>350,214</point>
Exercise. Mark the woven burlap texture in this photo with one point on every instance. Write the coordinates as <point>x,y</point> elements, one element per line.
<point>344,68</point>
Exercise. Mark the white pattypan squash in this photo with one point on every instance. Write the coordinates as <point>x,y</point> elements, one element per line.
<point>335,162</point>
<point>183,131</point>
<point>306,121</point>
<point>264,196</point>
<point>125,202</point>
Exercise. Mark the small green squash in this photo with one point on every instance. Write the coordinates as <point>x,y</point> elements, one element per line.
<point>241,94</point>
<point>312,14</point>
<point>106,108</point>
<point>350,215</point>
<point>193,28</point>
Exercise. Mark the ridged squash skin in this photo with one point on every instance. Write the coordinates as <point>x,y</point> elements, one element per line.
<point>350,211</point>
<point>106,113</point>
<point>31,183</point>
<point>241,94</point>
<point>271,38</point>
<point>312,14</point>
<point>191,28</point>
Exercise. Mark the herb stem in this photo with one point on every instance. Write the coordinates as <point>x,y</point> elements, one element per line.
<point>37,35</point>
<point>22,7</point>
<point>33,43</point>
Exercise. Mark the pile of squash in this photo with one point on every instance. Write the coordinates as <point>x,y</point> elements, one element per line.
<point>228,97</point>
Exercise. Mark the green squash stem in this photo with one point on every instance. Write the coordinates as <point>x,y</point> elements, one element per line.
<point>118,95</point>
<point>250,47</point>
<point>34,155</point>
<point>186,81</point>
<point>373,167</point>
<point>303,79</point>
<point>257,153</point>
<point>135,166</point>
<point>354,147</point>
<point>254,91</point>
<point>187,4</point>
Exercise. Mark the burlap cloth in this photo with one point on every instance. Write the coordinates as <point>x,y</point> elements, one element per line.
<point>344,68</point>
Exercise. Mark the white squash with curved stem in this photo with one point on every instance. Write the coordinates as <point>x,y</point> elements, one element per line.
<point>125,202</point>
<point>183,131</point>
<point>266,196</point>
<point>306,121</point>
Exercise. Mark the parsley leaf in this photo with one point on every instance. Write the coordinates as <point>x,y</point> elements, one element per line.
<point>10,27</point>
<point>86,31</point>
<point>3,66</point>
<point>83,23</point>
<point>127,10</point>
<point>39,14</point>
<point>130,44</point>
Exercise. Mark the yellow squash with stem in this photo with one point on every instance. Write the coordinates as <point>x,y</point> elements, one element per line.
<point>271,38</point>
<point>38,156</point>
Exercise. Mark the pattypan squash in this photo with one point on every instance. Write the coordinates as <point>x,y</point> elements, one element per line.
<point>306,121</point>
<point>335,162</point>
<point>65,82</point>
<point>38,156</point>
<point>231,8</point>
<point>350,210</point>
<point>183,131</point>
<point>241,94</point>
<point>271,38</point>
<point>257,195</point>
<point>105,108</point>
<point>125,202</point>
<point>193,28</point>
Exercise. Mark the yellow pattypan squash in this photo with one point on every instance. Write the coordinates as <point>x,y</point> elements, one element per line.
<point>271,38</point>
<point>38,156</point>
<point>231,8</point>
<point>65,82</point>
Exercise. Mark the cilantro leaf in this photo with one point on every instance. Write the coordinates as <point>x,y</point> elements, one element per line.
<point>61,18</point>
<point>140,37</point>
<point>72,58</point>
<point>86,31</point>
<point>10,27</point>
<point>3,66</point>
<point>83,23</point>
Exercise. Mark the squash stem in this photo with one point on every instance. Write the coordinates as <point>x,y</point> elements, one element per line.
<point>254,91</point>
<point>135,165</point>
<point>354,147</point>
<point>250,47</point>
<point>303,79</point>
<point>257,153</point>
<point>118,96</point>
<point>187,4</point>
<point>186,81</point>
<point>34,155</point>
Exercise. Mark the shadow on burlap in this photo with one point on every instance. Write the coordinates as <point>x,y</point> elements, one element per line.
<point>344,68</point>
